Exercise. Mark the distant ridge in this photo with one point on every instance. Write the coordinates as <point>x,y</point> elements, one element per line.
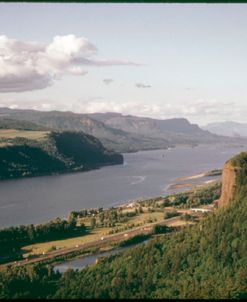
<point>118,132</point>
<point>232,129</point>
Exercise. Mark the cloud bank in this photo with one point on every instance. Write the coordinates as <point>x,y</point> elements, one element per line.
<point>26,66</point>
<point>198,111</point>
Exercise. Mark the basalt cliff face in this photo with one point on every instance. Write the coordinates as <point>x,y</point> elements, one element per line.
<point>234,178</point>
<point>228,184</point>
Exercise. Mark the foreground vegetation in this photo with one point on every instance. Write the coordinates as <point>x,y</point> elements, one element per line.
<point>165,267</point>
<point>205,260</point>
<point>13,238</point>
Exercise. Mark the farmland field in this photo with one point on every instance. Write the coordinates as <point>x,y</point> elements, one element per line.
<point>13,133</point>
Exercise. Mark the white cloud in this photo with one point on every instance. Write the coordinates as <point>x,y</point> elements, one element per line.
<point>142,85</point>
<point>198,111</point>
<point>107,81</point>
<point>28,66</point>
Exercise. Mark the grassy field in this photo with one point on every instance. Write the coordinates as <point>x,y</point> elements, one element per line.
<point>39,248</point>
<point>145,217</point>
<point>96,234</point>
<point>5,144</point>
<point>13,133</point>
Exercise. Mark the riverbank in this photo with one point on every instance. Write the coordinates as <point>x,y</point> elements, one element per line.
<point>191,177</point>
<point>197,180</point>
<point>39,199</point>
<point>111,226</point>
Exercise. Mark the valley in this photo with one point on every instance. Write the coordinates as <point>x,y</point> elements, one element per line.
<point>164,254</point>
<point>107,228</point>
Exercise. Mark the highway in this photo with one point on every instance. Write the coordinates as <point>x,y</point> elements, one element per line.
<point>97,243</point>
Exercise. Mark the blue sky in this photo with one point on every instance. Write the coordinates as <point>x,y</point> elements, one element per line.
<point>157,60</point>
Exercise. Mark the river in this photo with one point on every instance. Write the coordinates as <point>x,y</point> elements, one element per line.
<point>83,261</point>
<point>143,174</point>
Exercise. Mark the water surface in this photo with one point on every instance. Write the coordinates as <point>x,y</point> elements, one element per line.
<point>144,174</point>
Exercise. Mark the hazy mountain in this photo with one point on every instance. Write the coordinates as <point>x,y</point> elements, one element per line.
<point>147,125</point>
<point>175,130</point>
<point>121,133</point>
<point>6,123</point>
<point>111,138</point>
<point>232,129</point>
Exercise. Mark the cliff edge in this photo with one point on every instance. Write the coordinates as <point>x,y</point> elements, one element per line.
<point>234,178</point>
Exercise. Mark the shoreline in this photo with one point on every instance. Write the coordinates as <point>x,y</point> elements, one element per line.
<point>200,175</point>
<point>190,185</point>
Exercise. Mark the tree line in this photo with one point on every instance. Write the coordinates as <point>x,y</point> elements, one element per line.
<point>13,238</point>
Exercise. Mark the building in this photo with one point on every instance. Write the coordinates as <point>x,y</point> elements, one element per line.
<point>200,210</point>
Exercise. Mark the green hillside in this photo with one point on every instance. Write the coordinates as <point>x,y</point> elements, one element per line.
<point>32,153</point>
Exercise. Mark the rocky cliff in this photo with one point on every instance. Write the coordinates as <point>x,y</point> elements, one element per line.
<point>228,184</point>
<point>233,178</point>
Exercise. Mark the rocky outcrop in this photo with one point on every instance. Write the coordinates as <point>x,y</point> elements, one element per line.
<point>234,179</point>
<point>228,184</point>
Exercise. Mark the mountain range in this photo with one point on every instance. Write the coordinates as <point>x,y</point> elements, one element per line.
<point>118,132</point>
<point>232,129</point>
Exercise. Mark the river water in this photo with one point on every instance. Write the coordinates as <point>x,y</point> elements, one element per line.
<point>83,261</point>
<point>143,174</point>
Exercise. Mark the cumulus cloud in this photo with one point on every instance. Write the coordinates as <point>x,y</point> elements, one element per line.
<point>141,85</point>
<point>107,81</point>
<point>26,66</point>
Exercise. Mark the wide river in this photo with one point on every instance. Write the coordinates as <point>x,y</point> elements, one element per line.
<point>143,174</point>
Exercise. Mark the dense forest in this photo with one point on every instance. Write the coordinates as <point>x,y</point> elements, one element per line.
<point>207,260</point>
<point>13,238</point>
<point>58,152</point>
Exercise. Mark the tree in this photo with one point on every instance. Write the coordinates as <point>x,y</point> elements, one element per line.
<point>161,229</point>
<point>140,210</point>
<point>93,222</point>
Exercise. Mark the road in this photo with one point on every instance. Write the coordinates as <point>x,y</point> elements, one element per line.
<point>97,243</point>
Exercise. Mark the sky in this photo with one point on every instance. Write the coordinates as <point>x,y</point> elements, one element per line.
<point>155,60</point>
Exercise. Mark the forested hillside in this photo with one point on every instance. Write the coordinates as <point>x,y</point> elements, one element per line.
<point>207,260</point>
<point>53,152</point>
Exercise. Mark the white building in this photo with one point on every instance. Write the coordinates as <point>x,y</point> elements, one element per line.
<point>200,210</point>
